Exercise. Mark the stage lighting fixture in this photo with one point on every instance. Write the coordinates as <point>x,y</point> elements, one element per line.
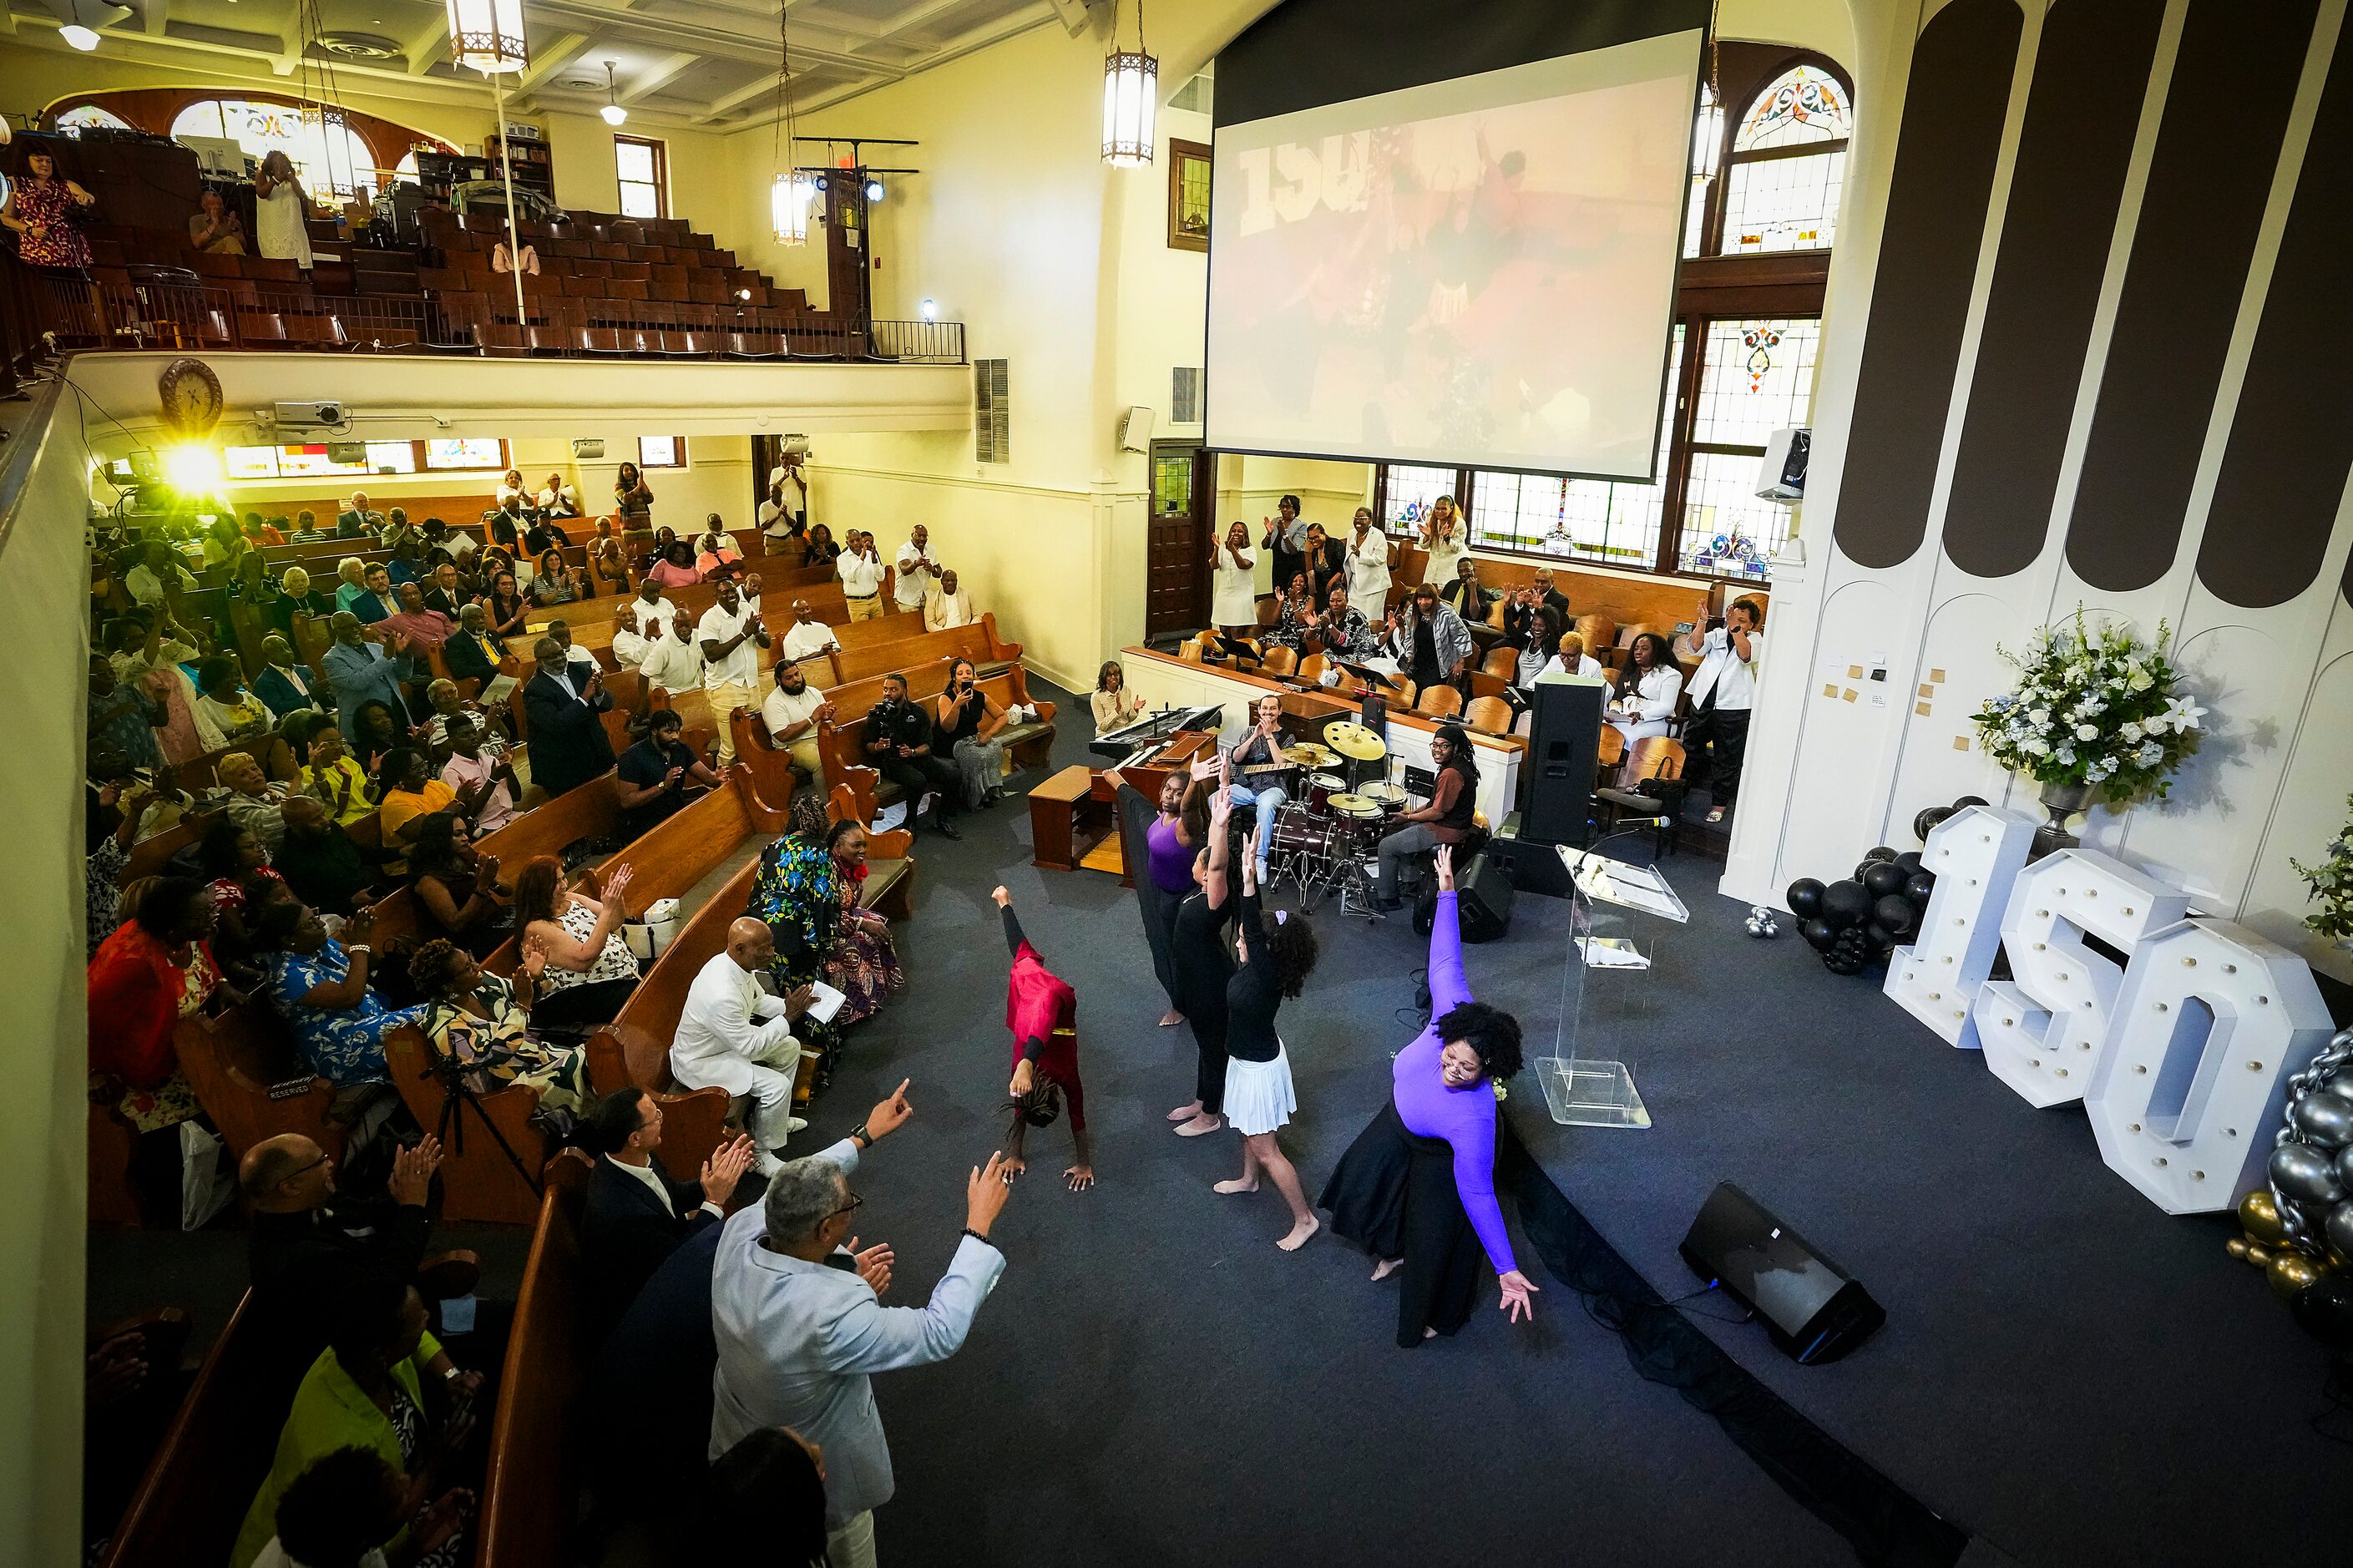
<point>194,469</point>
<point>873,190</point>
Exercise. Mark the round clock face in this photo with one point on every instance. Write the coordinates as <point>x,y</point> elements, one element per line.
<point>191,396</point>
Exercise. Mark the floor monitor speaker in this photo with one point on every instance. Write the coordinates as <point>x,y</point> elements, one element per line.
<point>1813,1309</point>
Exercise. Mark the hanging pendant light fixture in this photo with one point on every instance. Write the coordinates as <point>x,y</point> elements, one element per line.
<point>789,192</point>
<point>1131,94</point>
<point>488,36</point>
<point>74,33</point>
<point>612,114</point>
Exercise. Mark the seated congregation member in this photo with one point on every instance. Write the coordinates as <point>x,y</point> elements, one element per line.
<point>457,891</point>
<point>806,635</point>
<point>657,550</point>
<point>476,653</point>
<point>240,881</point>
<point>568,743</point>
<point>369,1389</point>
<point>336,779</point>
<point>411,794</point>
<point>445,706</point>
<point>419,628</point>
<point>123,717</point>
<point>353,1510</point>
<point>557,499</point>
<point>1442,536</point>
<point>1417,1188</point>
<point>731,637</point>
<point>358,520</point>
<point>320,986</point>
<point>1571,658</point>
<point>228,704</point>
<point>714,548</point>
<point>305,1237</point>
<point>822,549</point>
<point>215,228</point>
<point>860,571</point>
<point>439,535</point>
<point>362,673</point>
<point>117,805</point>
<point>553,582</point>
<point>590,972</point>
<point>1723,691</point>
<point>1115,707</point>
<point>1043,1011</point>
<point>285,684</point>
<point>1233,602</point>
<point>634,1216</point>
<point>1294,615</point>
<point>479,774</point>
<point>374,601</point>
<point>766,1494</point>
<point>510,489</point>
<point>544,539</point>
<point>254,803</point>
<point>444,594</point>
<point>505,606</point>
<point>967,720</point>
<point>676,568</point>
<point>653,777</point>
<point>321,864</point>
<point>1429,642</point>
<point>793,712</point>
<point>155,970</point>
<point>898,745</point>
<point>1343,631</point>
<point>159,577</point>
<point>864,962</point>
<point>737,1035</point>
<point>1443,819</point>
<point>481,1022</point>
<point>1652,683</point>
<point>1463,593</point>
<point>1521,604</point>
<point>948,605</point>
<point>607,571</point>
<point>799,1338</point>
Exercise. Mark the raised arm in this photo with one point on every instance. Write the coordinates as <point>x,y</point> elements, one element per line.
<point>1221,806</point>
<point>1251,918</point>
<point>1449,987</point>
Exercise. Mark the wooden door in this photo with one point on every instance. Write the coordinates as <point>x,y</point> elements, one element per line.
<point>1176,592</point>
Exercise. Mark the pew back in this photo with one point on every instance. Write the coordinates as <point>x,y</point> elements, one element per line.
<point>532,1477</point>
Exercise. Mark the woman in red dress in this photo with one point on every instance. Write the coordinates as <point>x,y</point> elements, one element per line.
<point>1043,1011</point>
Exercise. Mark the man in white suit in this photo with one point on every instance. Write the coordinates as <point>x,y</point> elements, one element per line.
<point>734,1033</point>
<point>798,1336</point>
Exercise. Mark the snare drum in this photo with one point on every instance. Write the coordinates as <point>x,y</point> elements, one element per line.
<point>1356,808</point>
<point>1321,788</point>
<point>1390,798</point>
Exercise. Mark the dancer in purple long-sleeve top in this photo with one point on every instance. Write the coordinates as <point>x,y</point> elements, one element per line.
<point>1417,1188</point>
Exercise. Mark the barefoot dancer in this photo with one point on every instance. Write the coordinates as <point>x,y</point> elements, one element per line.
<point>1043,1011</point>
<point>1259,1094</point>
<point>1204,963</point>
<point>1417,1187</point>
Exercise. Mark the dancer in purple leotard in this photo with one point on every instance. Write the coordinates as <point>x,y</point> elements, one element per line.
<point>1417,1189</point>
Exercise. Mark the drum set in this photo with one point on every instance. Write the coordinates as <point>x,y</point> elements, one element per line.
<point>1324,836</point>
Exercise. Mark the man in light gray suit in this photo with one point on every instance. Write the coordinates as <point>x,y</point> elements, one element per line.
<point>793,1308</point>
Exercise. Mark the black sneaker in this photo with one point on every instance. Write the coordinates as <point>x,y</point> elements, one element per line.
<point>943,827</point>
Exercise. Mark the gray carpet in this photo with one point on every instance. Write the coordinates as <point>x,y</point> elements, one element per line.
<point>2066,1371</point>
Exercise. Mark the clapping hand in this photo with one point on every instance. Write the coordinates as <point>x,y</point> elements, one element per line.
<point>616,887</point>
<point>873,1264</point>
<point>412,1172</point>
<point>725,1169</point>
<point>534,957</point>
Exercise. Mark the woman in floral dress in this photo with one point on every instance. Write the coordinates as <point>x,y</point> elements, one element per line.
<point>482,1023</point>
<point>320,986</point>
<point>864,961</point>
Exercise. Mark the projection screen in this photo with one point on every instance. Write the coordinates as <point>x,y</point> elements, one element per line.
<point>1480,271</point>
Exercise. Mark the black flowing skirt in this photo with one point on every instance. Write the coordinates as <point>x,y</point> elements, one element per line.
<point>1393,1193</point>
<point>1136,815</point>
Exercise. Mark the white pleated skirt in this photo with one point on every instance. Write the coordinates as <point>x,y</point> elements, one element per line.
<point>1258,1096</point>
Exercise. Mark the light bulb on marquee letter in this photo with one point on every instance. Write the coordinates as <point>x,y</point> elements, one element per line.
<point>2211,1022</point>
<point>1975,855</point>
<point>2042,1030</point>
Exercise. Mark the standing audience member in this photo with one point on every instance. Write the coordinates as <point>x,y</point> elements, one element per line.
<point>568,743</point>
<point>590,972</point>
<point>634,1216</point>
<point>362,673</point>
<point>899,745</point>
<point>1233,602</point>
<point>156,970</point>
<point>652,777</point>
<point>731,635</point>
<point>1723,691</point>
<point>1431,643</point>
<point>281,217</point>
<point>1442,537</point>
<point>799,1339</point>
<point>916,572</point>
<point>1285,540</point>
<point>733,1033</point>
<point>1370,560</point>
<point>822,550</point>
<point>633,499</point>
<point>949,606</point>
<point>860,571</point>
<point>45,212</point>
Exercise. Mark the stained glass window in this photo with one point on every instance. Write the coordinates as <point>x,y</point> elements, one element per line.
<point>1757,377</point>
<point>1410,492</point>
<point>1803,104</point>
<point>1783,203</point>
<point>89,115</point>
<point>329,157</point>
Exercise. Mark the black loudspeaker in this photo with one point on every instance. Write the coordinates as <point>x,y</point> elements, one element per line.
<point>1533,868</point>
<point>1812,1308</point>
<point>1482,898</point>
<point>1564,740</point>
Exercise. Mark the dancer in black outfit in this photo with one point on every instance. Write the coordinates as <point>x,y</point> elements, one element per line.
<point>1259,1094</point>
<point>1204,963</point>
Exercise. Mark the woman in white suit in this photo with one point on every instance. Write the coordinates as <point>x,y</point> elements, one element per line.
<point>1368,568</point>
<point>1653,681</point>
<point>1234,604</point>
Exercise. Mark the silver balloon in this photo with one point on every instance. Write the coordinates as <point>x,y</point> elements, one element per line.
<point>2340,1229</point>
<point>2305,1174</point>
<point>2345,1168</point>
<point>2326,1117</point>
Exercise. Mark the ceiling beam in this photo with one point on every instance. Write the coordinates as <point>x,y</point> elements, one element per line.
<point>429,47</point>
<point>727,104</point>
<point>156,14</point>
<point>290,45</point>
<point>670,32</point>
<point>558,50</point>
<point>661,75</point>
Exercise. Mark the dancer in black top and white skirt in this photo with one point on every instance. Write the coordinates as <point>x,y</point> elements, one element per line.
<point>1259,1094</point>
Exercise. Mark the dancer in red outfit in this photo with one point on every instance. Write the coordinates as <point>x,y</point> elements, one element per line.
<point>1043,1011</point>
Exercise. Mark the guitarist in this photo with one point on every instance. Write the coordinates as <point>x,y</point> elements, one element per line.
<point>1261,771</point>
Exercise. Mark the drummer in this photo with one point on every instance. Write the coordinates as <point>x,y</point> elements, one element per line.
<point>1262,747</point>
<point>1448,817</point>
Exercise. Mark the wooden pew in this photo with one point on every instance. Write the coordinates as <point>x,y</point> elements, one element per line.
<point>152,856</point>
<point>977,642</point>
<point>241,1062</point>
<point>532,1482</point>
<point>590,811</point>
<point>114,1203</point>
<point>479,1183</point>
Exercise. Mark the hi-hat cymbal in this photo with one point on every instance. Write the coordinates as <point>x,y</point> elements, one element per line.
<point>1356,741</point>
<point>1308,754</point>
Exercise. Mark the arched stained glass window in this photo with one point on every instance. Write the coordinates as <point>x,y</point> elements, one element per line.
<point>328,156</point>
<point>1788,167</point>
<point>1804,104</point>
<point>90,114</point>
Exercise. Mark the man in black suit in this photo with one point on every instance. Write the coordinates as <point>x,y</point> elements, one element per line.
<point>634,1215</point>
<point>1523,602</point>
<point>568,743</point>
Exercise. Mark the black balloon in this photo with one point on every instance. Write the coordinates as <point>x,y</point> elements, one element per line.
<point>1845,903</point>
<point>1882,939</point>
<point>1895,914</point>
<point>1880,852</point>
<point>1909,860</point>
<point>1926,819</point>
<point>1920,885</point>
<point>1818,933</point>
<point>1804,897</point>
<point>2324,1309</point>
<point>1884,878</point>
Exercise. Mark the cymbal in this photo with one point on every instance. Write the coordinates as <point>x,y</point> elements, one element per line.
<point>1361,805</point>
<point>1356,741</point>
<point>1308,754</point>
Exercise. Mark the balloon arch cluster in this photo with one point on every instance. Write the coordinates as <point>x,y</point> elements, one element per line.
<point>1857,920</point>
<point>2299,1230</point>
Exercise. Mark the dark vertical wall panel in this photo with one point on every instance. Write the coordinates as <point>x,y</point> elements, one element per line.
<point>2091,75</point>
<point>2234,84</point>
<point>1945,154</point>
<point>2292,437</point>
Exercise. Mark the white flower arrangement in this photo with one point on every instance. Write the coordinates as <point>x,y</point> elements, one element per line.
<point>2092,707</point>
<point>2331,884</point>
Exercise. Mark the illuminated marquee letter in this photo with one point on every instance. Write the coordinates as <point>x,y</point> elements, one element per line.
<point>2042,1030</point>
<point>2212,1021</point>
<point>1976,855</point>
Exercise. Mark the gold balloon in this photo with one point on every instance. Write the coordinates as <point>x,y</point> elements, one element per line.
<point>2290,1272</point>
<point>2259,1254</point>
<point>2261,1217</point>
<point>2237,1248</point>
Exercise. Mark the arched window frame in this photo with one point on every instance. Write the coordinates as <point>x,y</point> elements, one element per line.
<point>1748,90</point>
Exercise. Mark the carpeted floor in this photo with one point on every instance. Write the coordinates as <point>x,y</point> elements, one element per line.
<point>2066,1371</point>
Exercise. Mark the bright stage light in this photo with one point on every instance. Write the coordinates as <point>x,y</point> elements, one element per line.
<point>194,469</point>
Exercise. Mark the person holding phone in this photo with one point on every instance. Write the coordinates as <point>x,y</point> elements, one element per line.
<point>966,719</point>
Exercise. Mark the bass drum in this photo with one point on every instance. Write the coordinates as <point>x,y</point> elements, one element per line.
<point>1301,830</point>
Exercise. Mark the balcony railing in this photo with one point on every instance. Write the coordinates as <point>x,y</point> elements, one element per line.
<point>41,313</point>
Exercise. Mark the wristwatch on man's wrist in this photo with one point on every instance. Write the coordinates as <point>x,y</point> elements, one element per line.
<point>862,1138</point>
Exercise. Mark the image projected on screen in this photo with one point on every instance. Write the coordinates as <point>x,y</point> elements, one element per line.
<point>1481,270</point>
